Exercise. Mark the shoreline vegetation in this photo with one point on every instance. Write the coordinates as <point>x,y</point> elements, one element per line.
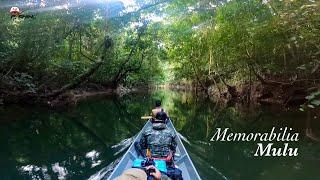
<point>281,93</point>
<point>286,95</point>
<point>242,51</point>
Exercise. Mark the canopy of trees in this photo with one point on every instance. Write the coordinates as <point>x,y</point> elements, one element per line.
<point>67,44</point>
<point>155,41</point>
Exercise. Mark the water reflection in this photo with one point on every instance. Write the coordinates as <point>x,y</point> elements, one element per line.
<point>106,171</point>
<point>34,172</point>
<point>87,141</point>
<point>60,170</point>
<point>94,157</point>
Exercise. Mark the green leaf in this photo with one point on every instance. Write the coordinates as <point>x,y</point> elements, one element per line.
<point>301,109</point>
<point>302,67</point>
<point>309,97</point>
<point>310,106</point>
<point>315,102</point>
<point>313,95</point>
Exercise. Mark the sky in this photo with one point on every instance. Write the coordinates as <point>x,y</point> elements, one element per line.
<point>37,6</point>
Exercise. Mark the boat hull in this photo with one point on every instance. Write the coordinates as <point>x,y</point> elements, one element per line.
<point>182,158</point>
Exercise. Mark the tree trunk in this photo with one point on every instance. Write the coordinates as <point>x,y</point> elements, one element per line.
<point>124,68</point>
<point>232,90</point>
<point>76,82</point>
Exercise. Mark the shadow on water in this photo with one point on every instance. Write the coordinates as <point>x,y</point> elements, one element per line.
<point>88,140</point>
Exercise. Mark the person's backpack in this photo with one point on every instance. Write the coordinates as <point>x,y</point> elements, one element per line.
<point>174,173</point>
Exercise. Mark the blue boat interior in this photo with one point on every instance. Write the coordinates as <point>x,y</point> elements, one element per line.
<point>182,159</point>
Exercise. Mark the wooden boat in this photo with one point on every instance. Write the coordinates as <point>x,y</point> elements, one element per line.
<point>182,158</point>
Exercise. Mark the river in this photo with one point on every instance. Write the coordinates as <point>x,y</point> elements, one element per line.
<point>85,141</point>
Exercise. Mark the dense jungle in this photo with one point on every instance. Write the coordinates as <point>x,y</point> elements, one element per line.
<point>77,75</point>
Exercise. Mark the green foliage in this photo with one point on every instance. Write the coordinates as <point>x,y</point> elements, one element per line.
<point>196,41</point>
<point>59,45</point>
<point>313,101</point>
<point>277,38</point>
<point>25,82</point>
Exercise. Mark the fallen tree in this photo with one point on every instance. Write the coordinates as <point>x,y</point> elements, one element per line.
<point>76,82</point>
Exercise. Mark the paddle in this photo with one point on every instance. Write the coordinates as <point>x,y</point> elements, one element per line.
<point>146,117</point>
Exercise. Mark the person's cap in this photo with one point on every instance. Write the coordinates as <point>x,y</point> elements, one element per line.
<point>161,116</point>
<point>132,174</point>
<point>158,103</point>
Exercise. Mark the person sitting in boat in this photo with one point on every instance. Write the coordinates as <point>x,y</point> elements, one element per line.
<point>157,108</point>
<point>158,141</point>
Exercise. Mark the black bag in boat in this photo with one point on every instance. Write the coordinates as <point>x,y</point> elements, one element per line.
<point>174,173</point>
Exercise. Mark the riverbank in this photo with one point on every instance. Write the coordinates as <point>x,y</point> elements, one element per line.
<point>293,93</point>
<point>69,97</point>
<point>286,94</point>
